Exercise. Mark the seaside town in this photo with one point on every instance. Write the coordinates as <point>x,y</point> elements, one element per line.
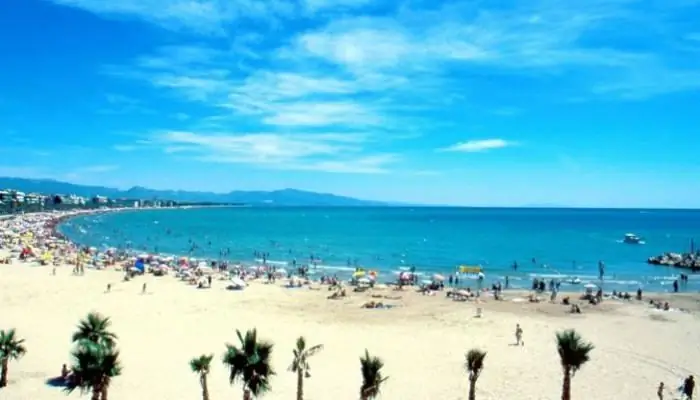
<point>16,201</point>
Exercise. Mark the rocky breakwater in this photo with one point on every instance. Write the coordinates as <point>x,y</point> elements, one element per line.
<point>679,260</point>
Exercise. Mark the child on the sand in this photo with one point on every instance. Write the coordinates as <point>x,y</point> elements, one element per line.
<point>519,336</point>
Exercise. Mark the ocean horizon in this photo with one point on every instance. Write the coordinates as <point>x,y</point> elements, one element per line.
<point>545,242</point>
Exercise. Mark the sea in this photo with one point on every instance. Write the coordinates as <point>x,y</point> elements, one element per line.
<point>565,244</point>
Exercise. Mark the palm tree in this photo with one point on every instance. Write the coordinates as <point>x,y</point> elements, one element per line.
<point>573,352</point>
<point>202,365</point>
<point>11,348</point>
<point>300,363</point>
<point>372,379</point>
<point>474,363</point>
<point>94,367</point>
<point>250,363</point>
<point>95,328</point>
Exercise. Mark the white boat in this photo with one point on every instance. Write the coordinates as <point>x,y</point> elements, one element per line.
<point>631,238</point>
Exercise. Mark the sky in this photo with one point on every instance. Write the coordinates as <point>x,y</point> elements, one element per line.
<point>585,103</point>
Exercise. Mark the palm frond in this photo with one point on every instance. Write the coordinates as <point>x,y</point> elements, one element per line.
<point>250,362</point>
<point>95,328</point>
<point>201,364</point>
<point>372,378</point>
<point>474,362</point>
<point>573,350</point>
<point>10,345</point>
<point>92,365</point>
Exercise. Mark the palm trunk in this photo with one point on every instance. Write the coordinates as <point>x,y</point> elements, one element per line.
<point>300,384</point>
<point>246,393</point>
<point>105,389</point>
<point>566,385</point>
<point>3,372</point>
<point>472,389</point>
<point>96,392</point>
<point>205,388</point>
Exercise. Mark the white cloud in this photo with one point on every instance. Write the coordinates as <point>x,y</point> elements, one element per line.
<point>124,147</point>
<point>539,36</point>
<point>99,168</point>
<point>201,16</point>
<point>318,5</point>
<point>383,70</point>
<point>476,146</point>
<point>330,152</point>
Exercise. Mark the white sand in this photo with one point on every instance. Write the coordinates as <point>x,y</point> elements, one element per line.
<point>422,342</point>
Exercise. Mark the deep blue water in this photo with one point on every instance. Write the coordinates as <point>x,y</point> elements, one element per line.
<point>562,241</point>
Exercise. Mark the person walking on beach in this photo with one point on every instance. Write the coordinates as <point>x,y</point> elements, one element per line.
<point>689,387</point>
<point>143,288</point>
<point>660,391</point>
<point>519,336</point>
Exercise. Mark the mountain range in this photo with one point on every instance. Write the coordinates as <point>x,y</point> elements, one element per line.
<point>285,197</point>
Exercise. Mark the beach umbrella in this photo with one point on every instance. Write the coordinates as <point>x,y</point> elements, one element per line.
<point>364,280</point>
<point>590,286</point>
<point>142,256</point>
<point>438,278</point>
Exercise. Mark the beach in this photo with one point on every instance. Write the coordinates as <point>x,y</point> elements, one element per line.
<point>422,338</point>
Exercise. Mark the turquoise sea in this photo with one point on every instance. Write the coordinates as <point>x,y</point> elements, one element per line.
<point>561,241</point>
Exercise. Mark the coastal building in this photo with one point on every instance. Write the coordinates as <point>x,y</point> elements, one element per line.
<point>17,196</point>
<point>35,198</point>
<point>101,200</point>
<point>70,199</point>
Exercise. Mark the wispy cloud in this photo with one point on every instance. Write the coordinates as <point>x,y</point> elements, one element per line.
<point>208,17</point>
<point>120,104</point>
<point>139,144</point>
<point>329,152</point>
<point>349,66</point>
<point>476,146</point>
<point>541,36</point>
<point>319,5</point>
<point>99,168</point>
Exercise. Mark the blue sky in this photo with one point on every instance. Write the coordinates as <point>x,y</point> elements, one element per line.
<point>538,102</point>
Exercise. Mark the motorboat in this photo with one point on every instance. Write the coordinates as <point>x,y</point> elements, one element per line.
<point>631,238</point>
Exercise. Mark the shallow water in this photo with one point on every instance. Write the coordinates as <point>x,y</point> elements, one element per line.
<point>563,242</point>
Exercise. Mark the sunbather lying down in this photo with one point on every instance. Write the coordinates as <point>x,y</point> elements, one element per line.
<point>532,298</point>
<point>338,294</point>
<point>377,304</point>
<point>379,296</point>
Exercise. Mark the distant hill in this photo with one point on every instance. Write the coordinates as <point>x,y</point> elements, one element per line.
<point>285,197</point>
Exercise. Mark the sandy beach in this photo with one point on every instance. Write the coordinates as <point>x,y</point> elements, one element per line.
<point>422,340</point>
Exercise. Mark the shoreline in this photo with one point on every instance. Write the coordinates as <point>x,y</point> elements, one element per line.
<point>659,281</point>
<point>55,219</point>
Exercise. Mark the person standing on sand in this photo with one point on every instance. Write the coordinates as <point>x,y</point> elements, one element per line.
<point>689,387</point>
<point>143,288</point>
<point>660,391</point>
<point>519,336</point>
